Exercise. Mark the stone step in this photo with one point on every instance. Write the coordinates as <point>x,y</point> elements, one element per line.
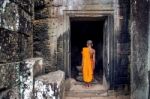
<point>87,93</point>
<point>99,97</point>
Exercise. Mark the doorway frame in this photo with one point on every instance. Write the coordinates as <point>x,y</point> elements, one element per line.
<point>68,14</point>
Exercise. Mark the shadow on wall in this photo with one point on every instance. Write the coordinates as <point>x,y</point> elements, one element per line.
<point>41,43</point>
<point>61,48</point>
<point>149,84</point>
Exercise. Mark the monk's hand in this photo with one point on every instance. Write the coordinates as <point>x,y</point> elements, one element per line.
<point>93,67</point>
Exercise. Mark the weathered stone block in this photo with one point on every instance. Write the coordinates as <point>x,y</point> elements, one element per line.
<point>20,17</point>
<point>25,26</point>
<point>16,30</point>
<point>9,47</point>
<point>41,14</point>
<point>40,31</point>
<point>49,86</point>
<point>20,74</point>
<point>26,45</point>
<point>25,4</point>
<point>56,3</point>
<point>12,93</point>
<point>9,74</point>
<point>53,24</point>
<point>39,4</point>
<point>54,12</point>
<point>7,10</point>
<point>38,68</point>
<point>28,69</point>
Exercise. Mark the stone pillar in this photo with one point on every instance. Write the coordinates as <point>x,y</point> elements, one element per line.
<point>149,51</point>
<point>139,49</point>
<point>46,26</point>
<point>122,44</point>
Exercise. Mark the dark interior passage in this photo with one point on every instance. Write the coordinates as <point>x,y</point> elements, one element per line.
<point>81,31</point>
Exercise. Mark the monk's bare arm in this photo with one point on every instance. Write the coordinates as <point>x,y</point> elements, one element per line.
<point>94,59</point>
<point>82,60</point>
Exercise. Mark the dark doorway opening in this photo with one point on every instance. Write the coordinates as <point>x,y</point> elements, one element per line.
<point>83,29</point>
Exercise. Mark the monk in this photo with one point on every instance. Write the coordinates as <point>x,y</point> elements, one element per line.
<point>88,63</point>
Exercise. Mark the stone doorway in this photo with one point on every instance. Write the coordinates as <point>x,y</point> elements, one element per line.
<point>105,19</point>
<point>83,29</point>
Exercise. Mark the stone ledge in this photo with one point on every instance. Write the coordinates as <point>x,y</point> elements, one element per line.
<point>49,85</point>
<point>13,74</point>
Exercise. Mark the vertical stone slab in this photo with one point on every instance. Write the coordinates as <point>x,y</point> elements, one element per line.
<point>26,79</point>
<point>27,73</point>
<point>149,51</point>
<point>139,49</point>
<point>123,45</point>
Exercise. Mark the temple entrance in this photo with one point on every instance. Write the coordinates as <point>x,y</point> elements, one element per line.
<point>83,29</point>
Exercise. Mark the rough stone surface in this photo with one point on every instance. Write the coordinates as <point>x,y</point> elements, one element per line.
<point>15,30</point>
<point>17,78</point>
<point>9,51</point>
<point>12,93</point>
<point>49,86</point>
<point>149,52</point>
<point>15,42</point>
<point>139,49</point>
<point>26,79</point>
<point>28,70</point>
<point>9,74</point>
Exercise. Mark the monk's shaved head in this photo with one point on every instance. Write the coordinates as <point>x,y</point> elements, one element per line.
<point>89,43</point>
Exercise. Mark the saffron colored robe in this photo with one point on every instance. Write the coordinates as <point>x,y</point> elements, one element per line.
<point>87,65</point>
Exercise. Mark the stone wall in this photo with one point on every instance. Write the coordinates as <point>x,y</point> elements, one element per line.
<point>139,49</point>
<point>15,43</point>
<point>149,51</point>
<point>121,69</point>
<point>15,30</point>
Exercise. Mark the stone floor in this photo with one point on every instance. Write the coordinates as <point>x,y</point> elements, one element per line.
<point>96,91</point>
<point>109,97</point>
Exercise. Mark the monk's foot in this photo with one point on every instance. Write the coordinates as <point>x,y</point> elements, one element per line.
<point>85,86</point>
<point>89,85</point>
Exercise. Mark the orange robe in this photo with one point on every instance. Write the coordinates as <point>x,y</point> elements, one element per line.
<point>87,64</point>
